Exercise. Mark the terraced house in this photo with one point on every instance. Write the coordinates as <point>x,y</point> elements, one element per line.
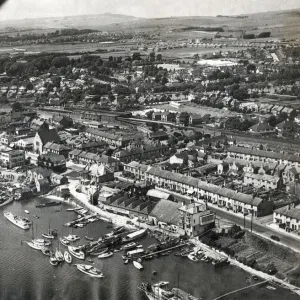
<point>200,190</point>
<point>264,156</point>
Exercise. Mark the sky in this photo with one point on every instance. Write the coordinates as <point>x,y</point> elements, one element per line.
<point>22,9</point>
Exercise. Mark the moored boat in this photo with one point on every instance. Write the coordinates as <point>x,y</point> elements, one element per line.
<point>53,260</point>
<point>72,238</point>
<point>45,251</point>
<point>130,246</point>
<point>134,235</point>
<point>90,270</point>
<point>76,252</point>
<point>105,255</point>
<point>34,246</point>
<point>26,211</point>
<point>89,238</point>
<point>64,242</point>
<point>67,257</point>
<point>138,265</point>
<point>18,221</point>
<point>41,242</point>
<point>59,256</point>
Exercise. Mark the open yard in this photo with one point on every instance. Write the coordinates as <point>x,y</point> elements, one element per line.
<point>197,109</point>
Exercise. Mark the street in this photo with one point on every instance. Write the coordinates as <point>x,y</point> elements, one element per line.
<point>285,239</point>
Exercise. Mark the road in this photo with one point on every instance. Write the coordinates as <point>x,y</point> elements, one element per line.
<point>285,239</point>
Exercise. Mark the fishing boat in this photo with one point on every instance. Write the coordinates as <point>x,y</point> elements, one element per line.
<point>90,270</point>
<point>72,238</point>
<point>105,255</point>
<point>134,235</point>
<point>26,211</point>
<point>89,238</point>
<point>67,257</point>
<point>130,246</point>
<point>76,252</point>
<point>192,257</point>
<point>18,221</point>
<point>138,265</point>
<point>45,251</point>
<point>64,242</point>
<point>126,261</point>
<point>34,246</point>
<point>51,234</point>
<point>53,260</point>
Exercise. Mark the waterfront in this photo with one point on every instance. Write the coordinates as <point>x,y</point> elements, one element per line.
<point>27,274</point>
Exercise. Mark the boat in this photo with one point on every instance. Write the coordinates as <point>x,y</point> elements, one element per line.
<point>118,250</point>
<point>134,235</point>
<point>64,242</point>
<point>99,253</point>
<point>52,203</point>
<point>59,256</point>
<point>135,252</point>
<point>79,225</point>
<point>89,238</point>
<point>26,211</point>
<point>67,257</point>
<point>53,260</point>
<point>126,261</point>
<point>72,238</point>
<point>34,246</point>
<point>35,216</point>
<point>271,288</point>
<point>90,260</point>
<point>70,209</point>
<point>45,251</point>
<point>90,270</point>
<point>138,265</point>
<point>105,255</point>
<point>41,242</point>
<point>160,291</point>
<point>130,246</point>
<point>76,252</point>
<point>139,246</point>
<point>48,235</point>
<point>18,221</point>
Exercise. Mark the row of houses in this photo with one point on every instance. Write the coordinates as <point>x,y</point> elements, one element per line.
<point>223,197</point>
<point>263,156</point>
<point>85,158</point>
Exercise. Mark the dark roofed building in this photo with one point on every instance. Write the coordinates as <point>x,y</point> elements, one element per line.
<point>42,137</point>
<point>55,162</point>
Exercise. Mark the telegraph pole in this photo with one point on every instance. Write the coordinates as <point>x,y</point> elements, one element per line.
<point>244,221</point>
<point>251,218</point>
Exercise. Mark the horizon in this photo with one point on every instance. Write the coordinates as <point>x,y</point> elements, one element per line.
<point>18,10</point>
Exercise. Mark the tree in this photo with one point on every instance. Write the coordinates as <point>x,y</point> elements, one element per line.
<point>136,56</point>
<point>17,106</point>
<point>159,57</point>
<point>251,68</point>
<point>152,56</point>
<point>164,80</point>
<point>60,61</point>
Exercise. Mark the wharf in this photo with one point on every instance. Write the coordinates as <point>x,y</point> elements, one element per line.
<point>165,250</point>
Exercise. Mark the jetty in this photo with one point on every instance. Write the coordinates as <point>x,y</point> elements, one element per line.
<point>242,289</point>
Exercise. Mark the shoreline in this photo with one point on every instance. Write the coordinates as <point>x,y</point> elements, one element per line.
<point>121,221</point>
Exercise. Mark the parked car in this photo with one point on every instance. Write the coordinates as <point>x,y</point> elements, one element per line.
<point>275,238</point>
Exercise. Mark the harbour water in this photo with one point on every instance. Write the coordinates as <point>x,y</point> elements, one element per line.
<point>26,273</point>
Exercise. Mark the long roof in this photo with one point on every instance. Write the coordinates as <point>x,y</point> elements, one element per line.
<point>291,213</point>
<point>166,211</point>
<point>263,153</point>
<point>211,188</point>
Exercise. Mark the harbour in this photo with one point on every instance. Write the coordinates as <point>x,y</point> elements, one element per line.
<point>31,271</point>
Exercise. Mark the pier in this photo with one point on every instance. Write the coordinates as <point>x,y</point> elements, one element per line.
<point>239,290</point>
